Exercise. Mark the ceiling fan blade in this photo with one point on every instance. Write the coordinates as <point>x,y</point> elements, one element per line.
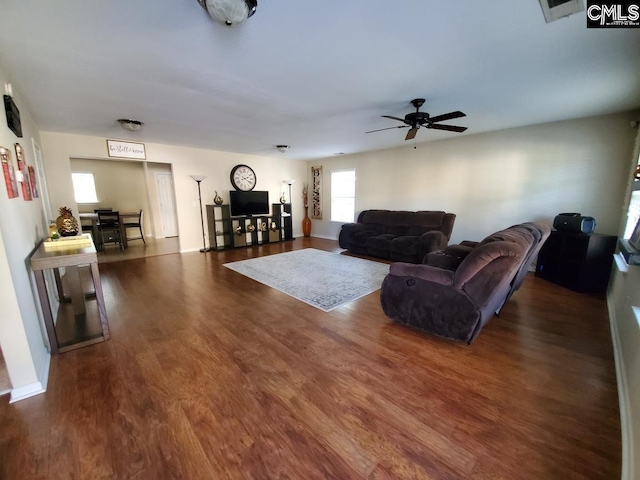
<point>411,134</point>
<point>388,128</point>
<point>394,118</point>
<point>447,116</point>
<point>449,128</point>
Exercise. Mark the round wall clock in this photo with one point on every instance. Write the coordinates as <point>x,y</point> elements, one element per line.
<point>243,178</point>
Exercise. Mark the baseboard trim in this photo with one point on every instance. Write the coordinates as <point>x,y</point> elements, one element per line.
<point>628,467</point>
<point>44,371</point>
<point>190,250</point>
<point>27,391</point>
<point>36,388</point>
<point>326,237</point>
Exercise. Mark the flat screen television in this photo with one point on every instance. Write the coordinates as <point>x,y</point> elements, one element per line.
<point>249,203</point>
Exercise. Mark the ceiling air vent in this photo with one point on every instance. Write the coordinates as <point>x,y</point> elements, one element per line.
<point>555,9</point>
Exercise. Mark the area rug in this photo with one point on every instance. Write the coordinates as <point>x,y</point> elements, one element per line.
<point>322,279</point>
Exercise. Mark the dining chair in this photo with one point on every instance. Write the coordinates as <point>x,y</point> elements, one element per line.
<point>109,228</point>
<point>137,225</point>
<point>98,210</point>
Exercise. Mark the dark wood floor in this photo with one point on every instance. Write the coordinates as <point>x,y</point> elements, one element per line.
<point>210,375</point>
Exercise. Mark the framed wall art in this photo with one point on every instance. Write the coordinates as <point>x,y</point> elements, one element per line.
<point>32,180</point>
<point>9,173</point>
<point>25,181</point>
<point>316,193</point>
<point>13,116</point>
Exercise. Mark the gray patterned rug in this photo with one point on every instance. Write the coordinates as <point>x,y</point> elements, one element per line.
<point>322,279</point>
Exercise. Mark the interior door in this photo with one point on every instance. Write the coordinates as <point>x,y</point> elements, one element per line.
<point>166,197</point>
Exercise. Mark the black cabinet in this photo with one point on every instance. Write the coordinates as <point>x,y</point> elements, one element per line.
<point>580,262</point>
<point>226,231</point>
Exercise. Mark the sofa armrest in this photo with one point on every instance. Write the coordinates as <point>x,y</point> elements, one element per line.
<point>423,272</point>
<point>431,241</point>
<point>346,231</point>
<point>469,243</point>
<point>441,259</point>
<point>460,250</point>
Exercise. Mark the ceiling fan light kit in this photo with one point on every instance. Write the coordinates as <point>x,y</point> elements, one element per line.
<point>283,148</point>
<point>416,120</point>
<point>229,12</point>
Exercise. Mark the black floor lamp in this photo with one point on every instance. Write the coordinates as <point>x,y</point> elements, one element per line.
<point>198,179</point>
<point>289,182</point>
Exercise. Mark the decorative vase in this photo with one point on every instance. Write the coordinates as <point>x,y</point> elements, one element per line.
<point>66,223</point>
<point>217,199</point>
<point>306,223</point>
<point>282,199</point>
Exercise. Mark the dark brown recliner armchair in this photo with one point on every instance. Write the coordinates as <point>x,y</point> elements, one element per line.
<point>456,304</point>
<point>453,255</point>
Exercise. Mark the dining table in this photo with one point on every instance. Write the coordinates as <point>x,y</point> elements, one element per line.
<point>95,231</point>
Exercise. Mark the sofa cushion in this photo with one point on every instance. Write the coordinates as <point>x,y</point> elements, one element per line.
<point>416,230</point>
<point>380,245</point>
<point>405,249</point>
<point>429,219</point>
<point>398,230</point>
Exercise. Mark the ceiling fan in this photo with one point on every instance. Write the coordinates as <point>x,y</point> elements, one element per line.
<point>414,120</point>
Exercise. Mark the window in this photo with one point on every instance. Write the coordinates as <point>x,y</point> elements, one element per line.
<point>84,188</point>
<point>343,195</point>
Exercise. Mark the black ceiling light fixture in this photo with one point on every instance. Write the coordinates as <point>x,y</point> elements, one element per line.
<point>229,12</point>
<point>129,124</point>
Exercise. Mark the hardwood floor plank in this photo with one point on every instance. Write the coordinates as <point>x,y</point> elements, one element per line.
<point>209,374</point>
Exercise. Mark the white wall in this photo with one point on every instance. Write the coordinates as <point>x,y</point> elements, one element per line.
<point>493,180</point>
<point>23,225</point>
<point>185,161</point>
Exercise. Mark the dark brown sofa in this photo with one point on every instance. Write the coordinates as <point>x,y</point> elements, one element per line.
<point>397,235</point>
<point>456,303</point>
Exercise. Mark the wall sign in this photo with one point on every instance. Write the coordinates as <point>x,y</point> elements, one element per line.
<point>316,193</point>
<point>119,149</point>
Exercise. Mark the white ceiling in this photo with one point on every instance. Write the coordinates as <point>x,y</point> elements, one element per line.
<point>315,74</point>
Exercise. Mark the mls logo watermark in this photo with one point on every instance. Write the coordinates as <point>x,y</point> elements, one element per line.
<point>613,15</point>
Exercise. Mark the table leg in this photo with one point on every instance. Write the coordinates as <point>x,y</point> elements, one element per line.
<point>123,235</point>
<point>102,310</point>
<point>46,311</point>
<point>61,296</point>
<point>77,295</point>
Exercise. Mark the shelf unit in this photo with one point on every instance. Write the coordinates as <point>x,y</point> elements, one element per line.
<point>580,262</point>
<point>226,231</point>
<point>283,212</point>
